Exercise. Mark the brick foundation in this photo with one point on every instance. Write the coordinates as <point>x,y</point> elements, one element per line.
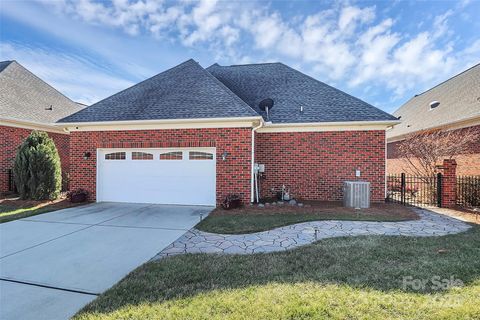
<point>233,175</point>
<point>10,140</point>
<point>313,165</point>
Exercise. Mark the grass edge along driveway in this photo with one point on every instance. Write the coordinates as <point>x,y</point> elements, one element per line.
<point>11,210</point>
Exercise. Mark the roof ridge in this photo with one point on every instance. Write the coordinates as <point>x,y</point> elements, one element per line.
<point>7,64</point>
<point>452,77</point>
<point>43,81</point>
<point>245,64</point>
<point>338,90</point>
<point>147,79</point>
<point>230,92</point>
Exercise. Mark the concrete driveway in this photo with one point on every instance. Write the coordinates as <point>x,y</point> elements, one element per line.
<point>53,264</point>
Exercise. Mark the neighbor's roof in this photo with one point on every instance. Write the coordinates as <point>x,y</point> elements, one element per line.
<point>25,97</point>
<point>290,89</point>
<point>459,99</point>
<point>186,91</point>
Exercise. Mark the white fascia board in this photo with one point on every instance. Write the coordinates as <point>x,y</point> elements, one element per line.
<point>327,126</point>
<point>460,124</point>
<point>31,125</point>
<point>245,122</point>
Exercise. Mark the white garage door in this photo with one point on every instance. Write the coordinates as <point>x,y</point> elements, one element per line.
<point>170,176</point>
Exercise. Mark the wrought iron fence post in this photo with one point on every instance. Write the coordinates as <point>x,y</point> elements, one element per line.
<point>402,189</point>
<point>439,190</point>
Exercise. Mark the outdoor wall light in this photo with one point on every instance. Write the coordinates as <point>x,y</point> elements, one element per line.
<point>86,155</point>
<point>224,155</point>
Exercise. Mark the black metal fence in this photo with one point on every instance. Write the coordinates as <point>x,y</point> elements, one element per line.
<point>468,191</point>
<point>415,190</point>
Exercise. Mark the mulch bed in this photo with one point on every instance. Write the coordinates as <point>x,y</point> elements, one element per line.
<point>324,207</point>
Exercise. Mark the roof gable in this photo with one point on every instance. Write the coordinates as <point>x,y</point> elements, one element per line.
<point>290,89</point>
<point>25,97</point>
<point>186,91</point>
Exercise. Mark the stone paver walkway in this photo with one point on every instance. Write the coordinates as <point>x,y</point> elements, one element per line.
<point>296,235</point>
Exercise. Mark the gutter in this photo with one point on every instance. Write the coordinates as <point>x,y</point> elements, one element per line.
<point>326,124</point>
<point>252,181</point>
<point>156,121</point>
<point>454,125</point>
<point>32,125</point>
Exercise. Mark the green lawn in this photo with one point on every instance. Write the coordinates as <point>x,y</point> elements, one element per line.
<point>249,223</point>
<point>11,211</point>
<point>343,278</point>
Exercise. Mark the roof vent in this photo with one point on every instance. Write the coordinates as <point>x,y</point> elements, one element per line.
<point>434,104</point>
<point>266,105</point>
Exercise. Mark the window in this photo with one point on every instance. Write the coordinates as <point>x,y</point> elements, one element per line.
<point>175,155</point>
<point>115,156</point>
<point>142,156</point>
<point>196,155</point>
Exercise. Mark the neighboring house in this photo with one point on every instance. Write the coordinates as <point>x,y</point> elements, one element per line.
<point>27,103</point>
<point>451,105</point>
<point>191,135</point>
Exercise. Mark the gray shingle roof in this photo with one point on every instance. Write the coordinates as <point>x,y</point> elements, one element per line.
<point>24,96</point>
<point>186,91</point>
<point>291,89</point>
<point>459,99</point>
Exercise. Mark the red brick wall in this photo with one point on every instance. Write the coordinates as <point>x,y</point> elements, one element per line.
<point>313,165</point>
<point>11,138</point>
<point>467,164</point>
<point>233,175</point>
<point>449,184</point>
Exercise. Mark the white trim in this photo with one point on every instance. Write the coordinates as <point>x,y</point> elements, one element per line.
<point>327,126</point>
<point>245,122</point>
<point>31,125</point>
<point>465,123</point>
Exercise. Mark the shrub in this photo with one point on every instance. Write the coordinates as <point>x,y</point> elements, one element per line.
<point>232,201</point>
<point>37,170</point>
<point>78,195</point>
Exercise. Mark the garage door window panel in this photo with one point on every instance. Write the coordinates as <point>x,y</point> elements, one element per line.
<point>142,156</point>
<point>197,155</point>
<point>115,156</point>
<point>174,155</point>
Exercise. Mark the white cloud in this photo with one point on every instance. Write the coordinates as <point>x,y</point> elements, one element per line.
<point>74,76</point>
<point>352,44</point>
<point>350,15</point>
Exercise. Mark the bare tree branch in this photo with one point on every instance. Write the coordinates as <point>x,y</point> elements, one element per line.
<point>423,152</point>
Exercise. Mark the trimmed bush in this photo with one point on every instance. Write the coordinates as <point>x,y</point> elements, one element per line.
<point>37,170</point>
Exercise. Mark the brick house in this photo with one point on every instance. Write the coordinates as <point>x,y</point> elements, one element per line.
<point>191,135</point>
<point>27,103</point>
<point>451,105</point>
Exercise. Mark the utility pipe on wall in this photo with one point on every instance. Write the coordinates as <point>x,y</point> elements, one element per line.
<point>252,183</point>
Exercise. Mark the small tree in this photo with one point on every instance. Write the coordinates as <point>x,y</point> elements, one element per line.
<point>424,151</point>
<point>37,169</point>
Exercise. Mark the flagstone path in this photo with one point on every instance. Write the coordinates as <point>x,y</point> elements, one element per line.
<point>296,235</point>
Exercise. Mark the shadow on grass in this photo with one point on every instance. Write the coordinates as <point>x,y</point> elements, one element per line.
<point>13,209</point>
<point>370,262</point>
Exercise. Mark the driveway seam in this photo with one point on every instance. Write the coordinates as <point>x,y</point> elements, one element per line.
<point>49,287</point>
<point>64,235</point>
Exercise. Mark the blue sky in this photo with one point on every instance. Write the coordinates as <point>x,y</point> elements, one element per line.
<point>383,52</point>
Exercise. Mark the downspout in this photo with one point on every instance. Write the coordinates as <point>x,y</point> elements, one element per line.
<point>252,182</point>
